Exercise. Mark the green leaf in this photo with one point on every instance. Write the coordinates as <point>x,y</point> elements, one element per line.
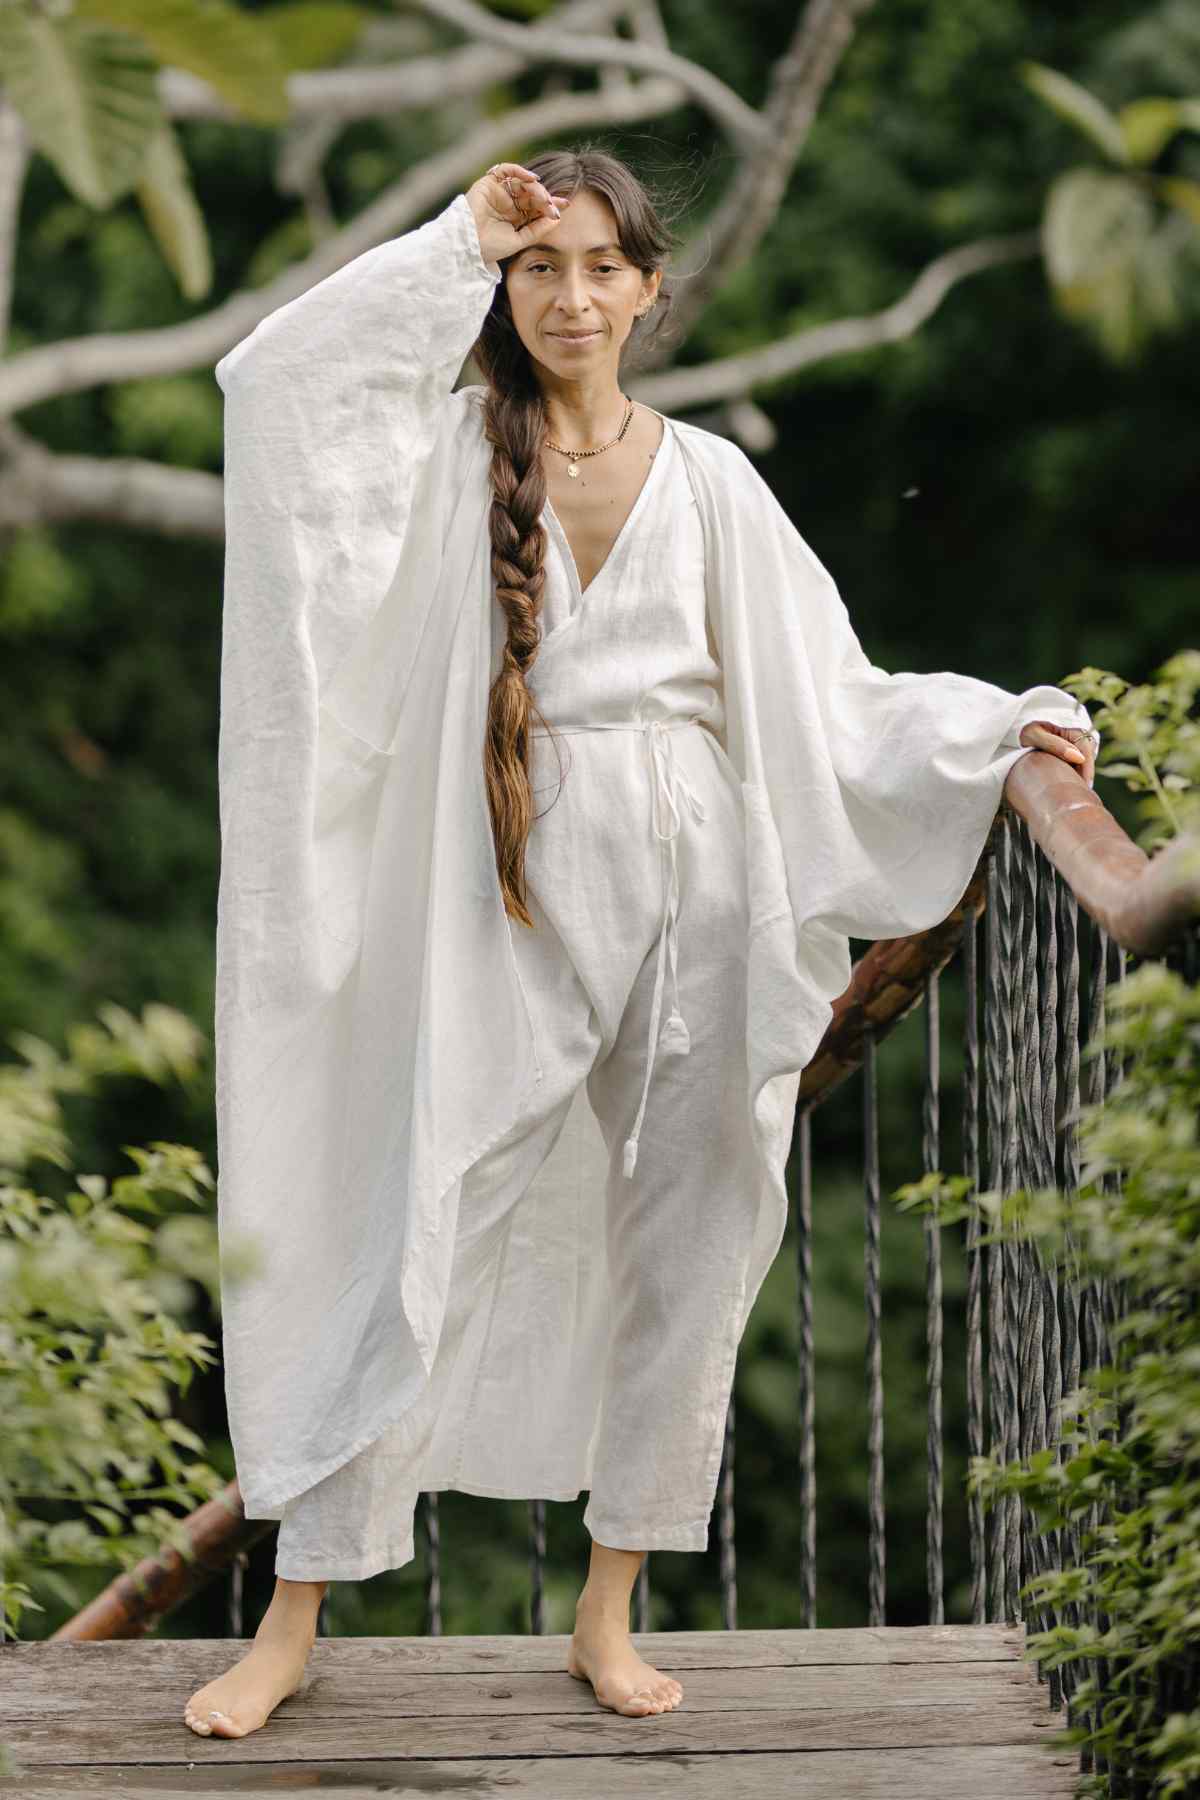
<point>1078,107</point>
<point>312,34</point>
<point>210,38</point>
<point>87,96</point>
<point>1148,127</point>
<point>1111,267</point>
<point>175,220</point>
<point>1093,223</point>
<point>1181,193</point>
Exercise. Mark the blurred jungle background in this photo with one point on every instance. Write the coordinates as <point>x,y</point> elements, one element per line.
<point>999,205</point>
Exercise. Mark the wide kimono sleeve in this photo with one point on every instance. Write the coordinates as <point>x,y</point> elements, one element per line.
<point>921,760</point>
<point>880,787</point>
<point>342,465</point>
<point>333,406</point>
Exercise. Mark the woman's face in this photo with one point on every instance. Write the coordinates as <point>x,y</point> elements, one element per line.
<point>574,294</point>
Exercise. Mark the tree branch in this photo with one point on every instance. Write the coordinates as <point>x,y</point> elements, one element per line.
<point>543,42</point>
<point>14,160</point>
<point>37,486</point>
<point>750,204</point>
<point>78,363</point>
<point>349,93</point>
<point>732,377</point>
<point>40,488</point>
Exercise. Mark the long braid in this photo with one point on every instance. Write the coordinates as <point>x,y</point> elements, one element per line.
<point>514,419</point>
<point>514,425</point>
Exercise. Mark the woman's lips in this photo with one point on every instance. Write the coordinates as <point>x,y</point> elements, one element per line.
<point>587,338</point>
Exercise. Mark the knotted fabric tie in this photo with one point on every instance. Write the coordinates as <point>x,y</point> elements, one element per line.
<point>668,782</point>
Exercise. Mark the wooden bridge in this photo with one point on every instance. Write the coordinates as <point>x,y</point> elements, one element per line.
<point>942,1711</point>
<point>945,1709</point>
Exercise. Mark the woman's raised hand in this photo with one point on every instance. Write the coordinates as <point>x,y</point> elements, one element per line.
<point>511,208</point>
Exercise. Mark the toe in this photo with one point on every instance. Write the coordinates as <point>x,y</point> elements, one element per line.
<point>638,1703</point>
<point>227,1725</point>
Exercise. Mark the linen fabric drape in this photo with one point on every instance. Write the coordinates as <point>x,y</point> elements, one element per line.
<point>372,1036</point>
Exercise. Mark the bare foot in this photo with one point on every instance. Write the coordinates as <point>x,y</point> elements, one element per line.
<point>601,1653</point>
<point>245,1696</point>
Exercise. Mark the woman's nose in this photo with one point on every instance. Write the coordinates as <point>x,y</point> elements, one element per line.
<point>572,293</point>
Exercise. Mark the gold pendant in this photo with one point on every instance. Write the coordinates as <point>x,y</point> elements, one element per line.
<point>572,468</point>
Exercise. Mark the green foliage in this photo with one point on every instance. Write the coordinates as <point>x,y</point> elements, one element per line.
<point>96,1472</point>
<point>1127,1470</point>
<point>1120,247</point>
<point>1132,1431</point>
<point>85,81</point>
<point>87,96</point>
<point>213,39</point>
<point>1151,741</point>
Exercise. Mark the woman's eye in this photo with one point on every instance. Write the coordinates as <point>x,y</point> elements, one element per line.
<point>601,268</point>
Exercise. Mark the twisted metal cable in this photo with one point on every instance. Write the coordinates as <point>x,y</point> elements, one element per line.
<point>996,1027</point>
<point>876,1553</point>
<point>1115,1298</point>
<point>970,1139</point>
<point>1047,883</point>
<point>1026,1064</point>
<point>930,1160</point>
<point>1091,1314</point>
<point>1027,1069</point>
<point>1113,1305</point>
<point>806,1377</point>
<point>1010,1147</point>
<point>537,1567</point>
<point>641,1596</point>
<point>725,1538</point>
<point>433,1565</point>
<point>236,1613</point>
<point>1092,1758</point>
<point>1070,1545</point>
<point>1036,1035</point>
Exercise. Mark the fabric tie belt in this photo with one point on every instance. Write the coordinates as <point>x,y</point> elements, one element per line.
<point>668,782</point>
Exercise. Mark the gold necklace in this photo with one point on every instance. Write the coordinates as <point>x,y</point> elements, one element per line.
<point>575,456</point>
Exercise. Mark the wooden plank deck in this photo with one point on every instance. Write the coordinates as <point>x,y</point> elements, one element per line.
<point>946,1712</point>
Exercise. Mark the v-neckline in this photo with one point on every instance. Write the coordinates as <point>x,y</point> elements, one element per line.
<point>581,593</point>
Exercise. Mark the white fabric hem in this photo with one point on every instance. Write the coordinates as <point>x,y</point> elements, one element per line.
<point>647,1537</point>
<point>495,1493</point>
<point>323,1568</point>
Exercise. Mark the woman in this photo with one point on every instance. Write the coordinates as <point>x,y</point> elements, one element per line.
<point>554,781</point>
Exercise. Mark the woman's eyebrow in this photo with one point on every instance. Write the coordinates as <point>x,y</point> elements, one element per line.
<point>592,249</point>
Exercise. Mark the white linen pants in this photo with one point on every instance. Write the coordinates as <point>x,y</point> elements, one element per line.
<point>639,857</point>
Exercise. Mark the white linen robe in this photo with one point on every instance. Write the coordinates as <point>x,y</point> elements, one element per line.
<point>372,1038</point>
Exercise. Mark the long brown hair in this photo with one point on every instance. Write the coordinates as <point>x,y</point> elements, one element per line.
<point>514,424</point>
